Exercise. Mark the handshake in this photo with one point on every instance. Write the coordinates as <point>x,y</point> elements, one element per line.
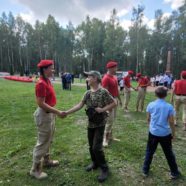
<point>62,114</point>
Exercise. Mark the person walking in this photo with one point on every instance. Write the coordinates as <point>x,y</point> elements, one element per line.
<point>110,83</point>
<point>143,83</point>
<point>98,101</point>
<point>160,117</point>
<point>45,120</point>
<point>179,90</point>
<point>127,89</point>
<point>68,78</point>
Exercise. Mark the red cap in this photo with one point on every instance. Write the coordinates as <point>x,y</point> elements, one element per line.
<point>183,74</point>
<point>44,63</point>
<point>130,72</point>
<point>111,64</point>
<point>138,75</point>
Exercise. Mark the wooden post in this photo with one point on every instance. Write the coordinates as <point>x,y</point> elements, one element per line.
<point>168,67</point>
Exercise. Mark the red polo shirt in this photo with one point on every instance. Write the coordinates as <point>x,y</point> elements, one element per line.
<point>127,81</point>
<point>110,82</point>
<point>143,82</point>
<point>45,89</point>
<point>180,87</point>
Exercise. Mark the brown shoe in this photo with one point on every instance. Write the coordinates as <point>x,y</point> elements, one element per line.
<point>38,175</point>
<point>36,171</point>
<point>51,163</point>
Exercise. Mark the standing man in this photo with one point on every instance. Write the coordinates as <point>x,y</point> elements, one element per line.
<point>110,82</point>
<point>127,89</point>
<point>161,80</point>
<point>179,89</point>
<point>166,79</point>
<point>143,83</point>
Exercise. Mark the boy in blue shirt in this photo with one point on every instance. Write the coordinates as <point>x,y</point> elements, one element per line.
<point>160,116</point>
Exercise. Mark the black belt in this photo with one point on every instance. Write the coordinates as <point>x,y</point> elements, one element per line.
<point>47,112</point>
<point>180,94</point>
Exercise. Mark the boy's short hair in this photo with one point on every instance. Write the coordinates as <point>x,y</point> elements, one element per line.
<point>161,92</point>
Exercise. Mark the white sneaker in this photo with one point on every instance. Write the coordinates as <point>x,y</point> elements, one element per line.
<point>38,175</point>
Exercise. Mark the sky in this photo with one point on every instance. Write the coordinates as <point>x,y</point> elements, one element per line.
<point>77,10</point>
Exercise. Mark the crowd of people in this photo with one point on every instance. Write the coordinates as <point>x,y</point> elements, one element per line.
<point>165,79</point>
<point>101,102</point>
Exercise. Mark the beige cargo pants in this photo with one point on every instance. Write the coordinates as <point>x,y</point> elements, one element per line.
<point>140,98</point>
<point>45,123</point>
<point>109,125</point>
<point>180,100</point>
<point>126,97</point>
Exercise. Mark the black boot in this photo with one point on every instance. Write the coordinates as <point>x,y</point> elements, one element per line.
<point>104,174</point>
<point>90,167</point>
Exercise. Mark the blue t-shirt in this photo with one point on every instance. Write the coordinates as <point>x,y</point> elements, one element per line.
<point>160,111</point>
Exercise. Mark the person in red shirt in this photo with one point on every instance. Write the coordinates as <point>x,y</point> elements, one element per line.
<point>127,89</point>
<point>143,83</point>
<point>45,119</point>
<point>179,90</point>
<point>110,83</point>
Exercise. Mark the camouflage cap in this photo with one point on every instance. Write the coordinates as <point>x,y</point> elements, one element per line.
<point>94,74</point>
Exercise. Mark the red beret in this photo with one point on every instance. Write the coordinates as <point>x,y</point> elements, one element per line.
<point>44,63</point>
<point>183,73</point>
<point>130,72</point>
<point>111,64</point>
<point>138,75</point>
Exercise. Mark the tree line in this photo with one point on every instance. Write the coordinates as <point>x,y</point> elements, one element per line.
<point>92,43</point>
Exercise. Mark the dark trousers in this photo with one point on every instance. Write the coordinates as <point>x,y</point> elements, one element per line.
<point>166,144</point>
<point>95,139</point>
<point>166,84</point>
<point>157,83</point>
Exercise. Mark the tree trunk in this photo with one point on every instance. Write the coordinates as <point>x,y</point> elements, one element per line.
<point>1,67</point>
<point>21,63</point>
<point>9,61</point>
<point>12,60</point>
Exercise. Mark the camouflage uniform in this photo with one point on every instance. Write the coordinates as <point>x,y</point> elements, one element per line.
<point>100,98</point>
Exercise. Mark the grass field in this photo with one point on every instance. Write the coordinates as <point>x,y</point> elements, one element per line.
<point>125,158</point>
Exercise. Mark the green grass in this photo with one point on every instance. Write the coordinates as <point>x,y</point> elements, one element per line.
<point>125,158</point>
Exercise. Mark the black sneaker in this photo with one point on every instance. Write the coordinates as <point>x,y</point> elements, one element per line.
<point>145,174</point>
<point>103,176</point>
<point>90,167</point>
<point>174,176</point>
